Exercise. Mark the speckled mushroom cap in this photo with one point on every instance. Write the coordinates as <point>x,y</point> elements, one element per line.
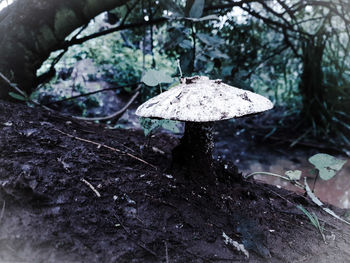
<point>198,99</point>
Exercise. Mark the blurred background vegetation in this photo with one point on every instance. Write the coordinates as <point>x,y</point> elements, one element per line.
<point>296,52</point>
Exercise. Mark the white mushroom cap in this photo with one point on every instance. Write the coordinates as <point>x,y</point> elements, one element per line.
<point>198,99</point>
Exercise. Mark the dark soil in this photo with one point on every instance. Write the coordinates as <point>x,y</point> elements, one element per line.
<point>144,214</point>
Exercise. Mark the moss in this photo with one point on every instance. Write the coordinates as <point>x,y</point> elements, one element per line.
<point>65,21</point>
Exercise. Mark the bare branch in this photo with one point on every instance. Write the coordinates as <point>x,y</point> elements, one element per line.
<point>228,5</point>
<point>10,84</point>
<point>79,41</point>
<point>279,15</point>
<point>115,116</point>
<point>273,22</point>
<point>128,12</point>
<point>107,147</point>
<point>91,93</point>
<point>289,43</point>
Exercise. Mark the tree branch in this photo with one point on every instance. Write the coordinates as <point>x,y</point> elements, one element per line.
<point>128,12</point>
<point>273,22</point>
<point>228,5</point>
<point>279,15</point>
<point>289,43</point>
<point>11,85</point>
<point>79,41</point>
<point>117,115</point>
<point>90,93</point>
<point>277,52</point>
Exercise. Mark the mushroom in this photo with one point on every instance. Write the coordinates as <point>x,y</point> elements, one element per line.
<point>199,102</point>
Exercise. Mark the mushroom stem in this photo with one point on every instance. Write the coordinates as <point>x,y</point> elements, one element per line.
<point>195,151</point>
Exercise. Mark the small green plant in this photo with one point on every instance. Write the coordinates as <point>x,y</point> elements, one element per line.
<point>314,220</point>
<point>153,78</point>
<point>324,163</point>
<point>150,125</point>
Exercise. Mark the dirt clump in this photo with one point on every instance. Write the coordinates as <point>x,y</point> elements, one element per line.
<point>50,213</point>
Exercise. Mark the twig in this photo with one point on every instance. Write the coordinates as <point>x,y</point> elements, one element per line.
<point>13,85</point>
<point>320,146</point>
<point>51,71</point>
<point>91,186</point>
<point>166,252</point>
<point>295,183</point>
<point>81,40</point>
<point>315,180</point>
<point>91,93</point>
<point>106,146</point>
<point>300,138</point>
<point>179,67</point>
<point>137,243</point>
<point>2,210</point>
<point>128,12</point>
<point>280,196</point>
<point>80,30</point>
<point>115,116</point>
<point>318,202</point>
<point>208,259</point>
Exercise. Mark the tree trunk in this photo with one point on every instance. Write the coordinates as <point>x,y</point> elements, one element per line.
<point>31,29</point>
<point>311,86</point>
<point>194,154</point>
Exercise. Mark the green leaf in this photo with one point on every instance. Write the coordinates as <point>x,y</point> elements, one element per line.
<point>312,218</point>
<point>210,40</point>
<point>176,34</point>
<point>217,54</point>
<point>155,77</point>
<point>149,125</point>
<point>326,164</point>
<point>186,44</point>
<point>170,126</point>
<point>196,10</point>
<point>17,96</point>
<point>293,174</point>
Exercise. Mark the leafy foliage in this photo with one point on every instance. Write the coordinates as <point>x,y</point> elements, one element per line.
<point>151,125</point>
<point>156,77</point>
<point>295,52</point>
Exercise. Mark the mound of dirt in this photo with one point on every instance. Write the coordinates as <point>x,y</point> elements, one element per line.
<point>76,192</point>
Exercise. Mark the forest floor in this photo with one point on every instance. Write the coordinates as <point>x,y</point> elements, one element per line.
<point>136,209</point>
